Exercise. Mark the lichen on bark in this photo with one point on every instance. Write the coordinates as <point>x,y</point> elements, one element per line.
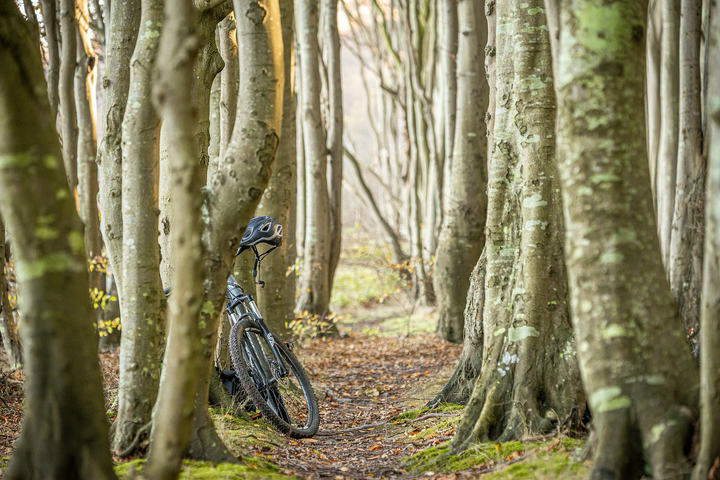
<point>529,378</point>
<point>637,370</point>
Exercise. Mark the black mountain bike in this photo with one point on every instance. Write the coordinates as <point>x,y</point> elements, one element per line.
<point>268,371</point>
<point>271,376</point>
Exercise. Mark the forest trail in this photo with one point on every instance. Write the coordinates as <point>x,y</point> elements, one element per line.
<point>366,380</point>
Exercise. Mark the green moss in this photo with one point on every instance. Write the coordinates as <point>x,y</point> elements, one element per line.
<point>249,468</point>
<point>510,460</point>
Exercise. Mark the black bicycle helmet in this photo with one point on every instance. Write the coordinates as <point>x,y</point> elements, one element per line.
<point>262,229</point>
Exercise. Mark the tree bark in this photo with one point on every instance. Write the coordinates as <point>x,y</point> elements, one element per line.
<point>228,48</point>
<point>653,100</point>
<point>172,416</point>
<point>461,235</point>
<point>334,125</point>
<point>237,186</point>
<point>638,373</point>
<point>710,306</point>
<point>274,302</point>
<point>448,58</point>
<point>49,13</point>
<point>686,242</point>
<point>8,327</point>
<point>528,341</point>
<point>669,128</point>
<point>124,24</point>
<point>68,28</point>
<point>64,427</point>
<point>143,300</point>
<point>314,282</point>
<point>207,65</point>
<point>87,172</point>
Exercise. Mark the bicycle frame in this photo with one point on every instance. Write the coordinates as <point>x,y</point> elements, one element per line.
<point>241,305</point>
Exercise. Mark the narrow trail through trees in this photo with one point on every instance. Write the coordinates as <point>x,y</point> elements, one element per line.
<point>361,383</point>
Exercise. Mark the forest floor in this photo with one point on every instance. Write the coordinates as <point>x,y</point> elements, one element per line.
<point>372,384</point>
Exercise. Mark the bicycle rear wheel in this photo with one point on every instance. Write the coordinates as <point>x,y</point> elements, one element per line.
<point>287,402</point>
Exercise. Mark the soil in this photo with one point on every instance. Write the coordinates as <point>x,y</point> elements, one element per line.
<point>363,382</point>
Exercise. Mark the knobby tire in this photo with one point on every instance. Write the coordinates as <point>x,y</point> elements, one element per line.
<point>245,340</point>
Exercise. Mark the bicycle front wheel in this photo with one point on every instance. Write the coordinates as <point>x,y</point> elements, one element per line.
<point>286,401</point>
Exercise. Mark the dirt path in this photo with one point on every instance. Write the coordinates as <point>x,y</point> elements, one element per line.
<point>366,380</point>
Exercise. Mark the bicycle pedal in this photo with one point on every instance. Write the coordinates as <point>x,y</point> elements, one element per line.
<point>255,416</point>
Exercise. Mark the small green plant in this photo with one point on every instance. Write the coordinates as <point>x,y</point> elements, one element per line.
<point>307,325</point>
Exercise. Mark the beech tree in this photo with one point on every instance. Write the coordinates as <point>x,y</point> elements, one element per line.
<point>461,237</point>
<point>314,283</point>
<point>236,188</point>
<point>143,300</point>
<point>276,299</point>
<point>172,416</point>
<point>710,304</point>
<point>638,373</point>
<point>64,433</point>
<point>529,379</point>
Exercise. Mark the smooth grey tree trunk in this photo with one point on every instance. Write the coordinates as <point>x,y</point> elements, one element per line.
<point>637,370</point>
<point>8,326</point>
<point>64,432</point>
<point>669,126</point>
<point>462,236</point>
<point>710,306</point>
<point>124,24</point>
<point>173,412</point>
<point>143,300</point>
<point>686,243</point>
<point>274,301</point>
<point>528,341</point>
<point>87,172</point>
<point>68,29</point>
<point>236,188</point>
<point>49,13</point>
<point>334,125</point>
<point>653,100</point>
<point>314,281</point>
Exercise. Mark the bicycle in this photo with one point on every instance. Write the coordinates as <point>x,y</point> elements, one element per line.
<point>273,379</point>
<point>268,371</point>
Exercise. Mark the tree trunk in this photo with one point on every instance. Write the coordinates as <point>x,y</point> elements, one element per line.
<point>669,134</point>
<point>314,282</point>
<point>686,243</point>
<point>206,67</point>
<point>172,416</point>
<point>653,100</point>
<point>124,23</point>
<point>462,236</point>
<point>528,340</point>
<point>448,57</point>
<point>87,172</point>
<point>228,49</point>
<point>143,300</point>
<point>237,186</point>
<point>49,13</point>
<point>64,428</point>
<point>68,28</point>
<point>638,373</point>
<point>8,327</point>
<point>710,307</point>
<point>274,302</point>
<point>461,383</point>
<point>334,125</point>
